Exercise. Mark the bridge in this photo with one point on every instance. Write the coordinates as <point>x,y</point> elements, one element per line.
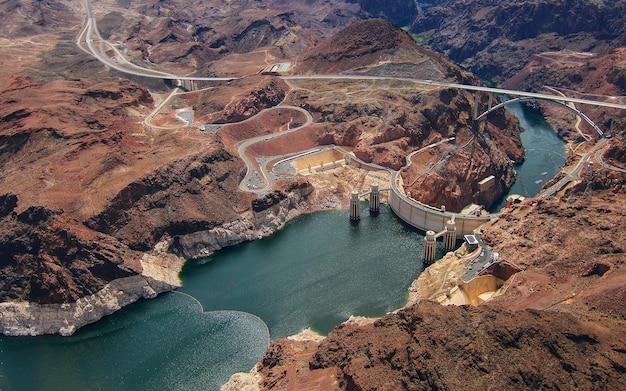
<point>90,34</point>
<point>520,99</point>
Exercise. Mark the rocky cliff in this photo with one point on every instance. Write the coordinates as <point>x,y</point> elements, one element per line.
<point>428,346</point>
<point>557,323</point>
<point>495,39</point>
<point>98,210</point>
<point>386,129</point>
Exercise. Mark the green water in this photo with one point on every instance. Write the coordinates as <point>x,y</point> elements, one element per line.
<point>316,272</point>
<point>161,344</point>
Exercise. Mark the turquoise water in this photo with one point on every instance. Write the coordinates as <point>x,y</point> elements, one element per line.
<point>316,272</point>
<point>161,344</point>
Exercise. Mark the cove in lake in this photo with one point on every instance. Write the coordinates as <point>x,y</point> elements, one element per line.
<point>315,272</point>
<point>161,344</point>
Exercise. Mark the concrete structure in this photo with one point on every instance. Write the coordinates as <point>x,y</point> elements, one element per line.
<point>427,218</point>
<point>186,84</point>
<point>374,202</point>
<point>417,214</point>
<point>430,246</point>
<point>548,99</point>
<point>430,241</point>
<point>355,210</point>
<point>471,241</point>
<point>449,236</point>
<point>474,293</point>
<point>374,199</point>
<point>487,184</point>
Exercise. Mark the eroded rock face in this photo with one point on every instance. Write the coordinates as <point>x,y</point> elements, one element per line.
<point>193,194</point>
<point>387,125</point>
<point>268,94</point>
<point>428,346</point>
<point>100,190</point>
<point>565,329</point>
<point>47,258</point>
<point>25,318</point>
<point>496,38</point>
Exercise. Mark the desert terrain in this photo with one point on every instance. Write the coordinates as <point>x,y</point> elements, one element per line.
<point>106,182</point>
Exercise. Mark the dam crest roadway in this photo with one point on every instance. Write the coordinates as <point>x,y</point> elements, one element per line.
<point>260,180</point>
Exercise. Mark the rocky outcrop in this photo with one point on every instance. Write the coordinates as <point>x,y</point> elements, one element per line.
<point>194,33</point>
<point>47,258</point>
<point>290,205</point>
<point>418,348</point>
<point>383,128</point>
<point>57,276</point>
<point>495,39</point>
<point>268,93</point>
<point>477,152</point>
<point>30,318</point>
<point>269,214</point>
<point>584,75</point>
<point>360,43</point>
<point>562,310</point>
<point>192,194</point>
<point>203,243</point>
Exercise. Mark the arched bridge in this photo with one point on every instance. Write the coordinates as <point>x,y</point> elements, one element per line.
<point>574,110</point>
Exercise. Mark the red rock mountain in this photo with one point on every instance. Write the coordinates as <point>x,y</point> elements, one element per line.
<point>93,193</point>
<point>90,195</point>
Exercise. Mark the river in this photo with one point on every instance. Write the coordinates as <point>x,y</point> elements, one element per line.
<point>545,153</point>
<point>316,272</point>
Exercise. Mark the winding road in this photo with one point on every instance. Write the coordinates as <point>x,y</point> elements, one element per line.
<point>90,28</point>
<point>260,182</point>
<point>252,175</point>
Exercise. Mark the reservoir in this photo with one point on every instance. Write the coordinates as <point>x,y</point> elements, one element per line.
<point>316,272</point>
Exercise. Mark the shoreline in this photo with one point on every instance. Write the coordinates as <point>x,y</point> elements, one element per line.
<point>430,275</point>
<point>162,265</point>
<point>160,274</point>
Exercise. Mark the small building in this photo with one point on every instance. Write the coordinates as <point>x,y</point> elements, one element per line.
<point>514,199</point>
<point>471,242</point>
<point>473,210</point>
<point>487,184</point>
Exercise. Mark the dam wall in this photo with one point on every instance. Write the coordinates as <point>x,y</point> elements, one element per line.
<point>428,218</point>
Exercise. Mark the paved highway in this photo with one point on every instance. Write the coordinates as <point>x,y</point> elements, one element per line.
<point>91,28</point>
<point>258,182</point>
<point>491,90</point>
<point>86,35</point>
<point>602,163</point>
<point>478,264</point>
<point>572,175</point>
